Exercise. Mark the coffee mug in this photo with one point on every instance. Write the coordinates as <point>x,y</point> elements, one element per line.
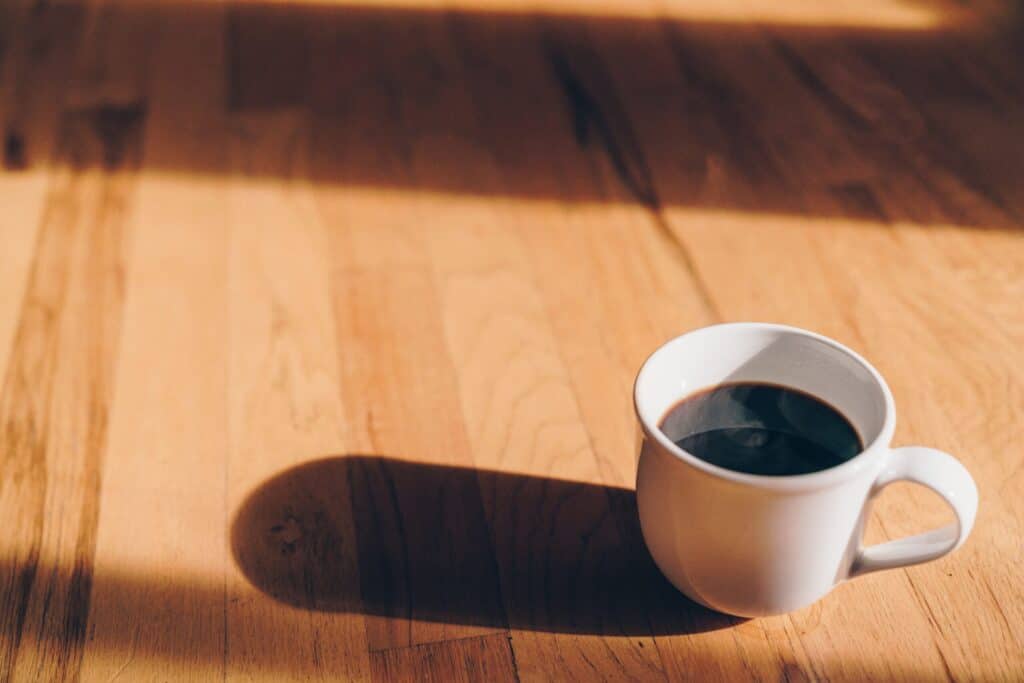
<point>755,545</point>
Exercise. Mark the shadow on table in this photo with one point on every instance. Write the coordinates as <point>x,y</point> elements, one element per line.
<point>880,122</point>
<point>408,547</point>
<point>453,545</point>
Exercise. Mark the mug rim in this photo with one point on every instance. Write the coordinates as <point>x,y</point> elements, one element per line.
<point>813,480</point>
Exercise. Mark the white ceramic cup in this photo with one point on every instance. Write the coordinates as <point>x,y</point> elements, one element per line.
<point>756,545</point>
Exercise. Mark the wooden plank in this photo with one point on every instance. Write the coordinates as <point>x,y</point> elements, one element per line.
<point>575,254</point>
<point>285,410</point>
<point>483,659</point>
<point>162,502</point>
<point>426,563</point>
<point>60,381</point>
<point>575,245</point>
<point>550,535</point>
<point>569,583</point>
<point>19,240</point>
<point>55,402</point>
<point>158,602</point>
<point>573,260</point>
<point>29,114</point>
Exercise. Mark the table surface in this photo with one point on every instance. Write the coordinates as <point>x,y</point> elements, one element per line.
<point>318,323</point>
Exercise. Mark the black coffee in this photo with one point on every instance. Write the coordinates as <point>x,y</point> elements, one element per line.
<point>762,429</point>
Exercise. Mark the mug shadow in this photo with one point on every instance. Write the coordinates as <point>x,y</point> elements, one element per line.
<point>456,545</point>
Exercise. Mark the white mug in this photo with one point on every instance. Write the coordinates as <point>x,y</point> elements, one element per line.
<point>755,545</point>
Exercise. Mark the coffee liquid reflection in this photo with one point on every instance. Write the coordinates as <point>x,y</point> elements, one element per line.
<point>759,428</point>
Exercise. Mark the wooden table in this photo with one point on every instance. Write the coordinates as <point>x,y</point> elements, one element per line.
<point>318,324</point>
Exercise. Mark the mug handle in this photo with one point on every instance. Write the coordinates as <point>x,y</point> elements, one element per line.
<point>943,474</point>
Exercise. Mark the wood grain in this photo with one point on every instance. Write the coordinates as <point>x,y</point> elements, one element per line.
<point>485,658</point>
<point>318,324</point>
<point>57,394</point>
<point>162,529</point>
<point>285,408</point>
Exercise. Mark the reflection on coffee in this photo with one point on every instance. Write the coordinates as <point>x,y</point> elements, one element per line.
<point>760,428</point>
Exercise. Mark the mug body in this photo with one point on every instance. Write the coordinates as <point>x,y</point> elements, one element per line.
<point>748,544</point>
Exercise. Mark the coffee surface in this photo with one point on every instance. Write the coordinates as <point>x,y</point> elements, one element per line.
<point>763,429</point>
